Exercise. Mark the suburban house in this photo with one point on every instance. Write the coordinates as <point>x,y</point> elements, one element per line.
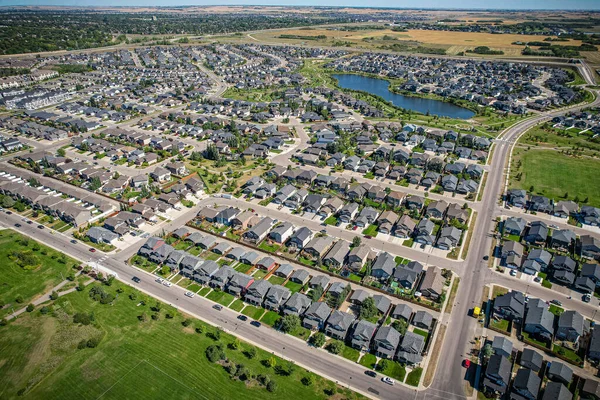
<point>433,283</point>
<point>386,342</point>
<point>497,374</point>
<point>510,306</point>
<point>539,320</point>
<point>570,326</point>
<point>316,315</point>
<point>276,297</point>
<point>296,304</point>
<point>338,324</point>
<point>362,334</point>
<point>411,348</point>
<point>526,383</point>
<point>257,291</point>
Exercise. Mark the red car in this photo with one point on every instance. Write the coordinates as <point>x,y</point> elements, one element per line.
<point>466,363</point>
<point>93,250</point>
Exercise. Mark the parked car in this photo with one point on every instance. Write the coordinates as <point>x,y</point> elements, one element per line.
<point>190,294</point>
<point>73,241</point>
<point>93,250</point>
<point>513,272</point>
<point>136,279</point>
<point>18,225</point>
<point>242,317</point>
<point>388,380</point>
<point>40,226</point>
<point>256,324</point>
<point>159,280</point>
<point>466,363</point>
<point>218,307</point>
<point>167,284</point>
<point>370,373</point>
<point>556,302</point>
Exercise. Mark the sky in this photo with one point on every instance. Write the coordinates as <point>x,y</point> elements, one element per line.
<point>450,4</point>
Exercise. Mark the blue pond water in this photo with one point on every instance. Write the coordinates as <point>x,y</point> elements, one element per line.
<point>380,87</point>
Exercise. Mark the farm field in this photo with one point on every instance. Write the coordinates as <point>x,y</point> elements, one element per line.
<point>134,359</point>
<point>29,269</point>
<point>553,175</point>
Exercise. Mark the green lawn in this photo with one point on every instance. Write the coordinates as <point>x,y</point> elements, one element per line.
<point>368,360</point>
<point>527,337</point>
<point>498,291</point>
<point>220,297</point>
<point>394,370</point>
<point>501,324</point>
<point>293,286</point>
<point>269,247</point>
<point>414,377</point>
<point>237,305</point>
<point>306,261</point>
<point>243,268</point>
<point>370,231</point>
<point>182,245</point>
<point>350,353</point>
<point>276,280</point>
<point>301,333</point>
<point>398,260</point>
<point>259,274</point>
<point>253,312</point>
<point>556,310</point>
<point>194,287</point>
<point>331,220</point>
<point>421,332</point>
<point>270,318</point>
<point>204,291</point>
<point>567,353</point>
<point>553,175</point>
<point>40,359</point>
<point>29,269</point>
<point>354,278</point>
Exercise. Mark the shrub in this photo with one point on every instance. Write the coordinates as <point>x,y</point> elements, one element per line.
<point>93,342</point>
<point>186,322</point>
<point>318,339</point>
<point>82,318</point>
<point>215,353</point>
<point>271,386</point>
<point>308,380</point>
<point>251,353</point>
<point>19,299</point>
<point>30,308</point>
<point>45,310</point>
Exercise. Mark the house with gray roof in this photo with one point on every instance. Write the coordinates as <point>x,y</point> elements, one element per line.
<point>570,326</point>
<point>318,246</point>
<point>239,283</point>
<point>221,248</point>
<point>281,232</point>
<point>448,238</point>
<point>338,324</point>
<point>560,372</point>
<point>207,242</point>
<point>319,280</point>
<point>195,237</point>
<point>300,238</point>
<point>386,342</point>
<point>259,231</point>
<point>402,311</point>
<point>362,334</point>
<point>276,297</point>
<point>411,348</point>
<point>204,273</point>
<point>284,270</point>
<point>527,384</point>
<point>423,320</point>
<point>514,226</point>
<point>563,239</point>
<point>236,253</point>
<point>296,304</point>
<point>558,391</point>
<point>358,296</point>
<point>98,234</point>
<point>300,276</point>
<point>539,320</point>
<point>221,277</point>
<point>367,216</point>
<point>189,264</point>
<point>382,303</point>
<point>316,315</point>
<point>337,288</point>
<point>336,256</point>
<point>531,359</point>
<point>502,346</point>
<point>348,212</point>
<point>383,267</point>
<point>497,374</point>
<point>174,259</point>
<point>160,254</point>
<point>408,274</point>
<point>358,256</point>
<point>591,271</point>
<point>250,257</point>
<point>257,291</point>
<point>510,306</point>
<point>537,233</point>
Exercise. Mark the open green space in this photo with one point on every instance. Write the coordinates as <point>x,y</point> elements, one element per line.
<point>350,353</point>
<point>253,312</point>
<point>194,287</point>
<point>567,353</point>
<point>43,357</point>
<point>243,268</point>
<point>29,269</point>
<point>501,324</point>
<point>331,220</point>
<point>204,291</point>
<point>301,333</point>
<point>259,274</point>
<point>421,332</point>
<point>556,310</point>
<point>555,175</point>
<point>370,231</point>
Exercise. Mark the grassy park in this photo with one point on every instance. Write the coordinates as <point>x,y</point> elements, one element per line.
<point>41,358</point>
<point>29,269</point>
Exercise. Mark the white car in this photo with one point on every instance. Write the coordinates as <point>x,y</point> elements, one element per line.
<point>513,272</point>
<point>167,284</point>
<point>388,380</point>
<point>160,280</point>
<point>190,294</point>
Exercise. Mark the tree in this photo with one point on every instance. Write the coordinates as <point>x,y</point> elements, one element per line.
<point>30,308</point>
<point>335,347</point>
<point>186,322</point>
<point>290,323</point>
<point>271,386</point>
<point>316,293</point>
<point>215,352</point>
<point>368,309</point>
<point>271,362</point>
<point>143,317</point>
<point>400,325</point>
<point>251,352</point>
<point>95,183</point>
<point>308,380</point>
<point>487,351</point>
<point>61,152</point>
<point>235,344</point>
<point>318,339</point>
<point>54,295</point>
<point>356,241</point>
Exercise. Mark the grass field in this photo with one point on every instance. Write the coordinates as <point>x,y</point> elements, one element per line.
<point>293,286</point>
<point>40,359</point>
<point>270,318</point>
<point>368,360</point>
<point>394,370</point>
<point>253,312</point>
<point>554,175</point>
<point>49,269</point>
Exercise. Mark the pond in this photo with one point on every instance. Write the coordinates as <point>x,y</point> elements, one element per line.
<point>380,87</point>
